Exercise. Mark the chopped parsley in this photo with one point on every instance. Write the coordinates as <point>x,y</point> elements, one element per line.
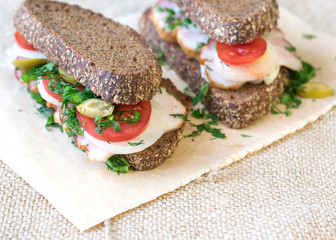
<point>103,124</point>
<point>210,120</point>
<point>173,20</point>
<point>289,97</point>
<point>188,92</point>
<point>182,116</point>
<point>159,8</point>
<point>199,47</point>
<point>203,91</point>
<point>43,109</point>
<point>209,68</point>
<point>136,117</point>
<point>206,126</point>
<point>202,114</point>
<point>291,49</point>
<point>309,36</point>
<point>276,111</point>
<point>216,132</point>
<point>245,136</point>
<point>136,144</point>
<point>117,163</point>
<point>160,57</point>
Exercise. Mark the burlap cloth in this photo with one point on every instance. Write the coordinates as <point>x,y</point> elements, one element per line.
<point>287,190</point>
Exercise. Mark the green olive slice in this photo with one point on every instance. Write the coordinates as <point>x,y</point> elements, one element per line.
<point>95,107</point>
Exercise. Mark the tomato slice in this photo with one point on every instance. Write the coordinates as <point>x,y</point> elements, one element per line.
<point>128,130</point>
<point>52,94</point>
<point>242,54</point>
<point>23,42</point>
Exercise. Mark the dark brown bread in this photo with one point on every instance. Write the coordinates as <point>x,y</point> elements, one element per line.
<point>232,21</point>
<point>112,60</point>
<point>166,145</point>
<point>236,108</point>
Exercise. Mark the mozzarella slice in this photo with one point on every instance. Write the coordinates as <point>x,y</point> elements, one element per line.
<point>45,95</point>
<point>19,51</point>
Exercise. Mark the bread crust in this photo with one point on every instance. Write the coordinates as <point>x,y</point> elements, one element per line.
<point>124,72</point>
<point>232,22</point>
<point>235,108</point>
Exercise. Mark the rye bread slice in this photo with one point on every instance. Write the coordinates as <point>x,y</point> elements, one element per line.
<point>235,108</point>
<point>232,21</point>
<point>156,154</point>
<point>112,60</point>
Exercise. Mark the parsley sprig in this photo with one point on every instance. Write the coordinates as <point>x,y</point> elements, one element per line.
<point>43,109</point>
<point>206,126</point>
<point>118,163</point>
<point>174,19</point>
<point>290,98</point>
<point>210,120</point>
<point>203,91</point>
<point>103,124</point>
<point>137,143</point>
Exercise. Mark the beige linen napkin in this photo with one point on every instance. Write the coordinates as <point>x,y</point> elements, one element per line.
<point>86,193</point>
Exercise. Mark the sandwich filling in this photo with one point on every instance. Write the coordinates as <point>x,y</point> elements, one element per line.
<point>224,66</point>
<point>100,128</point>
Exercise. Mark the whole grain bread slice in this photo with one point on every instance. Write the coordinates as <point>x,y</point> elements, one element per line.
<point>112,60</point>
<point>232,22</point>
<point>235,108</point>
<point>164,148</point>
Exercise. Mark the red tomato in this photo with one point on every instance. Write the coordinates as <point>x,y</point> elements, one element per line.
<point>128,130</point>
<point>52,94</point>
<point>23,42</point>
<point>241,54</point>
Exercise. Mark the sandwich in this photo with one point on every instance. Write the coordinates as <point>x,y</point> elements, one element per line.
<point>101,82</point>
<point>235,48</point>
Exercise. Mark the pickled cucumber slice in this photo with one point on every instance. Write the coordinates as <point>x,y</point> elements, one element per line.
<point>95,107</point>
<point>66,76</point>
<point>25,65</point>
<point>315,90</point>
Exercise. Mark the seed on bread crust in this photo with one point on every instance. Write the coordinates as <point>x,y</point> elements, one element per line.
<point>112,60</point>
<point>236,108</point>
<point>232,22</point>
